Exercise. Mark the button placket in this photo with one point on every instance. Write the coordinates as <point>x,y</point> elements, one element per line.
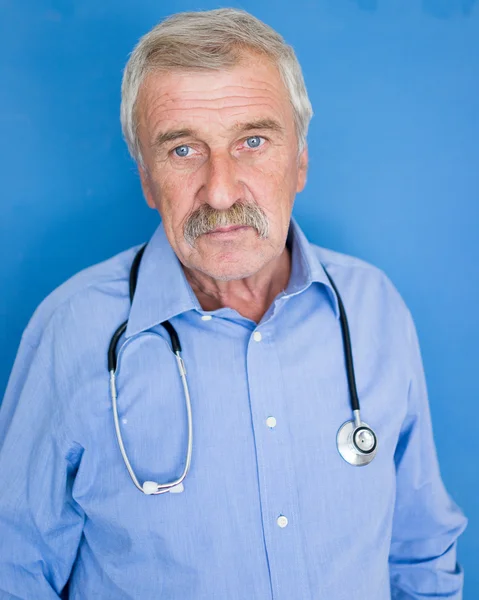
<point>277,485</point>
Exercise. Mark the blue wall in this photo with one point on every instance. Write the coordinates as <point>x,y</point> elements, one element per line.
<point>394,172</point>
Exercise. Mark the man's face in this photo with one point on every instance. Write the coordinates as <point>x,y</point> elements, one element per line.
<point>215,141</point>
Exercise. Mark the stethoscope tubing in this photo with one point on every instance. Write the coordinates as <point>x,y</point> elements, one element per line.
<point>356,441</point>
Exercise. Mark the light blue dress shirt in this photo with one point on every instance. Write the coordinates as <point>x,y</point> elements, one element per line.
<point>269,510</point>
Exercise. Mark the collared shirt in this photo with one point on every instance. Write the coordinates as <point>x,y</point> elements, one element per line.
<point>269,509</point>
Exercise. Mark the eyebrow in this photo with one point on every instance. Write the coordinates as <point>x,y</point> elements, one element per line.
<point>171,136</point>
<point>265,124</point>
<point>259,124</point>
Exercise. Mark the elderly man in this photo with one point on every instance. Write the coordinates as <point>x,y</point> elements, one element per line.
<point>194,454</point>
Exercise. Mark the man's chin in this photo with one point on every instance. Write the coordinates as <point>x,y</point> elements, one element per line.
<point>228,274</point>
<point>226,269</point>
<point>229,256</point>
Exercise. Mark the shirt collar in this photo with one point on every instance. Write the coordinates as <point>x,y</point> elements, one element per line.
<point>306,267</point>
<point>162,290</point>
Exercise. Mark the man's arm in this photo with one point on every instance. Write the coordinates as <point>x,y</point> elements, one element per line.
<point>426,521</point>
<point>40,523</point>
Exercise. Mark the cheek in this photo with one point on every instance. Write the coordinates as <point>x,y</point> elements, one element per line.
<point>275,186</point>
<point>174,195</point>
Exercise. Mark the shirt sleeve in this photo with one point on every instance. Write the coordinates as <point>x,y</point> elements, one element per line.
<point>426,522</point>
<point>40,523</point>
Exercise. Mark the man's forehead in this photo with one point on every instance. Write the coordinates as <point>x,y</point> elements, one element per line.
<point>256,83</point>
<point>234,98</point>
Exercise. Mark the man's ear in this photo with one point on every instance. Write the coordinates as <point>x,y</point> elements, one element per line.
<point>302,169</point>
<point>146,186</point>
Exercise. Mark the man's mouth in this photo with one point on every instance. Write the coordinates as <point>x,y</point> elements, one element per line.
<point>228,229</point>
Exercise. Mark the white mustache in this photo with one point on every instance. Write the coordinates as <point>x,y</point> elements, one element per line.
<point>206,219</point>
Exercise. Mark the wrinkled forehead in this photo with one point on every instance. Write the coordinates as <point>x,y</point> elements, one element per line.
<point>251,89</point>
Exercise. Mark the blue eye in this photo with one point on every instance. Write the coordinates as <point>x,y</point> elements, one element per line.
<point>182,150</point>
<point>254,141</point>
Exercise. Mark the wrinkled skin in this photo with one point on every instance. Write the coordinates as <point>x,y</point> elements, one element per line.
<point>221,137</point>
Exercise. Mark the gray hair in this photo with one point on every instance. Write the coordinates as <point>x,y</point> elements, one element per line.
<point>212,40</point>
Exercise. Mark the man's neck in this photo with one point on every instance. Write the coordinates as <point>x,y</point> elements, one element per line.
<point>250,297</point>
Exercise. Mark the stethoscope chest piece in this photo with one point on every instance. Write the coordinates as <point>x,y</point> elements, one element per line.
<point>357,444</point>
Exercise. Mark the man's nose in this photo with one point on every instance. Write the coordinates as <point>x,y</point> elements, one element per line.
<point>222,188</point>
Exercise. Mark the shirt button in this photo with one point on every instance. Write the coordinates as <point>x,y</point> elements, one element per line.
<point>271,422</point>
<point>282,521</point>
<point>257,336</point>
<point>206,318</point>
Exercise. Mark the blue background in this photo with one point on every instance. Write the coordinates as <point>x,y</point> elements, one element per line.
<point>394,174</point>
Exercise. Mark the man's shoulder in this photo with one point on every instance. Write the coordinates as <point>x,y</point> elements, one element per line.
<point>362,278</point>
<point>343,261</point>
<point>98,287</point>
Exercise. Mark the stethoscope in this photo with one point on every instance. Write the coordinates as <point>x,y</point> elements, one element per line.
<point>356,441</point>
